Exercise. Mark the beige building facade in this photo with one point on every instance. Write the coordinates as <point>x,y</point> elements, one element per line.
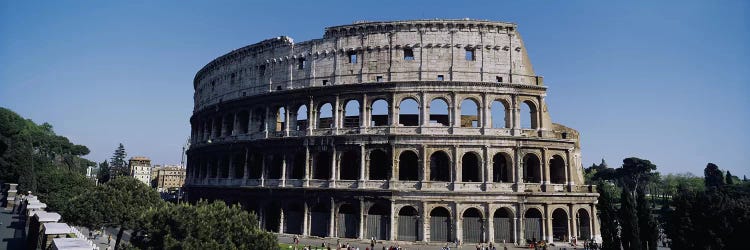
<point>169,177</point>
<point>407,131</point>
<point>140,169</point>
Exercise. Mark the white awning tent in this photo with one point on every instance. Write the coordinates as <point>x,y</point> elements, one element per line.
<point>56,228</point>
<point>70,244</point>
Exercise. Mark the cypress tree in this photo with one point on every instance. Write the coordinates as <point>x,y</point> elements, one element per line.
<point>646,223</point>
<point>730,180</point>
<point>631,235</point>
<point>608,217</point>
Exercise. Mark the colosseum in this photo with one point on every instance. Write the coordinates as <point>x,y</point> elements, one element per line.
<point>425,131</point>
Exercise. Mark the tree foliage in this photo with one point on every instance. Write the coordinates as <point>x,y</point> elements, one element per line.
<point>713,176</point>
<point>119,203</point>
<point>118,164</point>
<point>608,216</point>
<point>203,226</point>
<point>104,172</point>
<point>27,149</point>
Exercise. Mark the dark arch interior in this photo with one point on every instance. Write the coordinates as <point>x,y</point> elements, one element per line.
<point>531,169</point>
<point>349,165</point>
<point>557,170</point>
<point>559,225</point>
<point>440,211</point>
<point>472,212</point>
<point>533,213</point>
<point>298,166</point>
<point>407,211</point>
<point>239,165</point>
<point>228,124</point>
<point>244,119</point>
<point>255,165</point>
<point>584,226</point>
<point>470,168</point>
<point>501,171</point>
<point>322,166</point>
<point>408,166</point>
<point>440,166</point>
<point>274,169</point>
<point>380,165</point>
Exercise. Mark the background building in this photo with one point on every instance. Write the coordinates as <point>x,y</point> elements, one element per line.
<point>140,168</point>
<point>169,177</point>
<point>427,130</point>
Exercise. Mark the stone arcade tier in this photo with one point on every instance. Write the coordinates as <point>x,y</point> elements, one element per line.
<point>416,131</point>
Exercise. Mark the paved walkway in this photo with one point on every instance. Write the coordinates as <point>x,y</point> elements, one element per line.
<point>362,244</point>
<point>12,230</point>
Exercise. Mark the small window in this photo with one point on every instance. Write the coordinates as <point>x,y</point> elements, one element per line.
<point>440,78</point>
<point>499,78</point>
<point>379,78</point>
<point>325,82</point>
<point>352,56</point>
<point>301,63</point>
<point>470,55</point>
<point>408,54</point>
<point>244,93</point>
<point>278,87</point>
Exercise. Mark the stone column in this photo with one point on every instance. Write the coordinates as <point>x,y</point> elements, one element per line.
<point>424,114</point>
<point>283,169</point>
<point>332,220</point>
<point>311,119</point>
<point>456,162</point>
<point>307,166</point>
<point>425,216</point>
<point>487,168</point>
<point>334,168</point>
<point>457,224</point>
<point>362,217</point>
<point>424,174</point>
<point>362,164</point>
<point>547,224</point>
<point>516,115</point>
<point>456,111</point>
<point>570,169</point>
<point>520,226</point>
<point>572,225</point>
<point>235,124</point>
<point>545,169</point>
<point>281,220</point>
<point>393,112</point>
<point>263,170</point>
<point>393,216</point>
<point>336,110</point>
<point>305,219</point>
<point>490,222</point>
<point>364,116</point>
<point>286,121</point>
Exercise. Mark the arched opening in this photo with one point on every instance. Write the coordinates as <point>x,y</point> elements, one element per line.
<point>559,225</point>
<point>408,166</point>
<point>378,222</point>
<point>469,114</point>
<point>325,114</point>
<point>380,165</point>
<point>440,166</point>
<point>470,168</point>
<point>351,114</point>
<point>532,225</point>
<point>259,119</point>
<point>503,225</point>
<point>408,112</point>
<point>238,163</point>
<point>501,170</point>
<point>473,226</point>
<point>272,217</point>
<point>584,224</point>
<point>322,166</point>
<point>557,170</point>
<point>379,113</point>
<point>228,124</point>
<point>440,225</point>
<point>349,166</point>
<point>280,123</point>
<point>348,221</point>
<point>244,120</point>
<point>293,216</point>
<point>214,168</point>
<point>528,107</point>
<point>298,167</point>
<point>302,118</point>
<point>319,215</point>
<point>531,171</point>
<point>439,115</point>
<point>499,115</point>
<point>408,224</point>
<point>255,165</point>
<point>274,169</point>
<point>216,128</point>
<point>224,167</point>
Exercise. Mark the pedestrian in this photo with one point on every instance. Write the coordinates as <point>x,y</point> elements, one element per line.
<point>109,239</point>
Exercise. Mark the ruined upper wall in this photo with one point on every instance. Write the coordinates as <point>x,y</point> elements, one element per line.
<point>381,53</point>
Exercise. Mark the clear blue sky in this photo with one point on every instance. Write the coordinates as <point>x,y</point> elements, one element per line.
<point>666,81</point>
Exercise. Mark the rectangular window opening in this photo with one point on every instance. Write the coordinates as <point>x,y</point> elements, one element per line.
<point>325,82</point>
<point>440,78</point>
<point>379,78</point>
<point>470,55</point>
<point>499,78</point>
<point>408,54</point>
<point>352,56</point>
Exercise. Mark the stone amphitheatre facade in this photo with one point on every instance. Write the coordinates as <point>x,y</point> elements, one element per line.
<point>416,131</point>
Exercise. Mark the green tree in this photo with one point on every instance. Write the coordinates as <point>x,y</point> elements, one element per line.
<point>631,235</point>
<point>118,164</point>
<point>119,203</point>
<point>58,186</point>
<point>713,176</point>
<point>729,178</point>
<point>649,231</point>
<point>203,226</point>
<point>104,172</point>
<point>608,216</point>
